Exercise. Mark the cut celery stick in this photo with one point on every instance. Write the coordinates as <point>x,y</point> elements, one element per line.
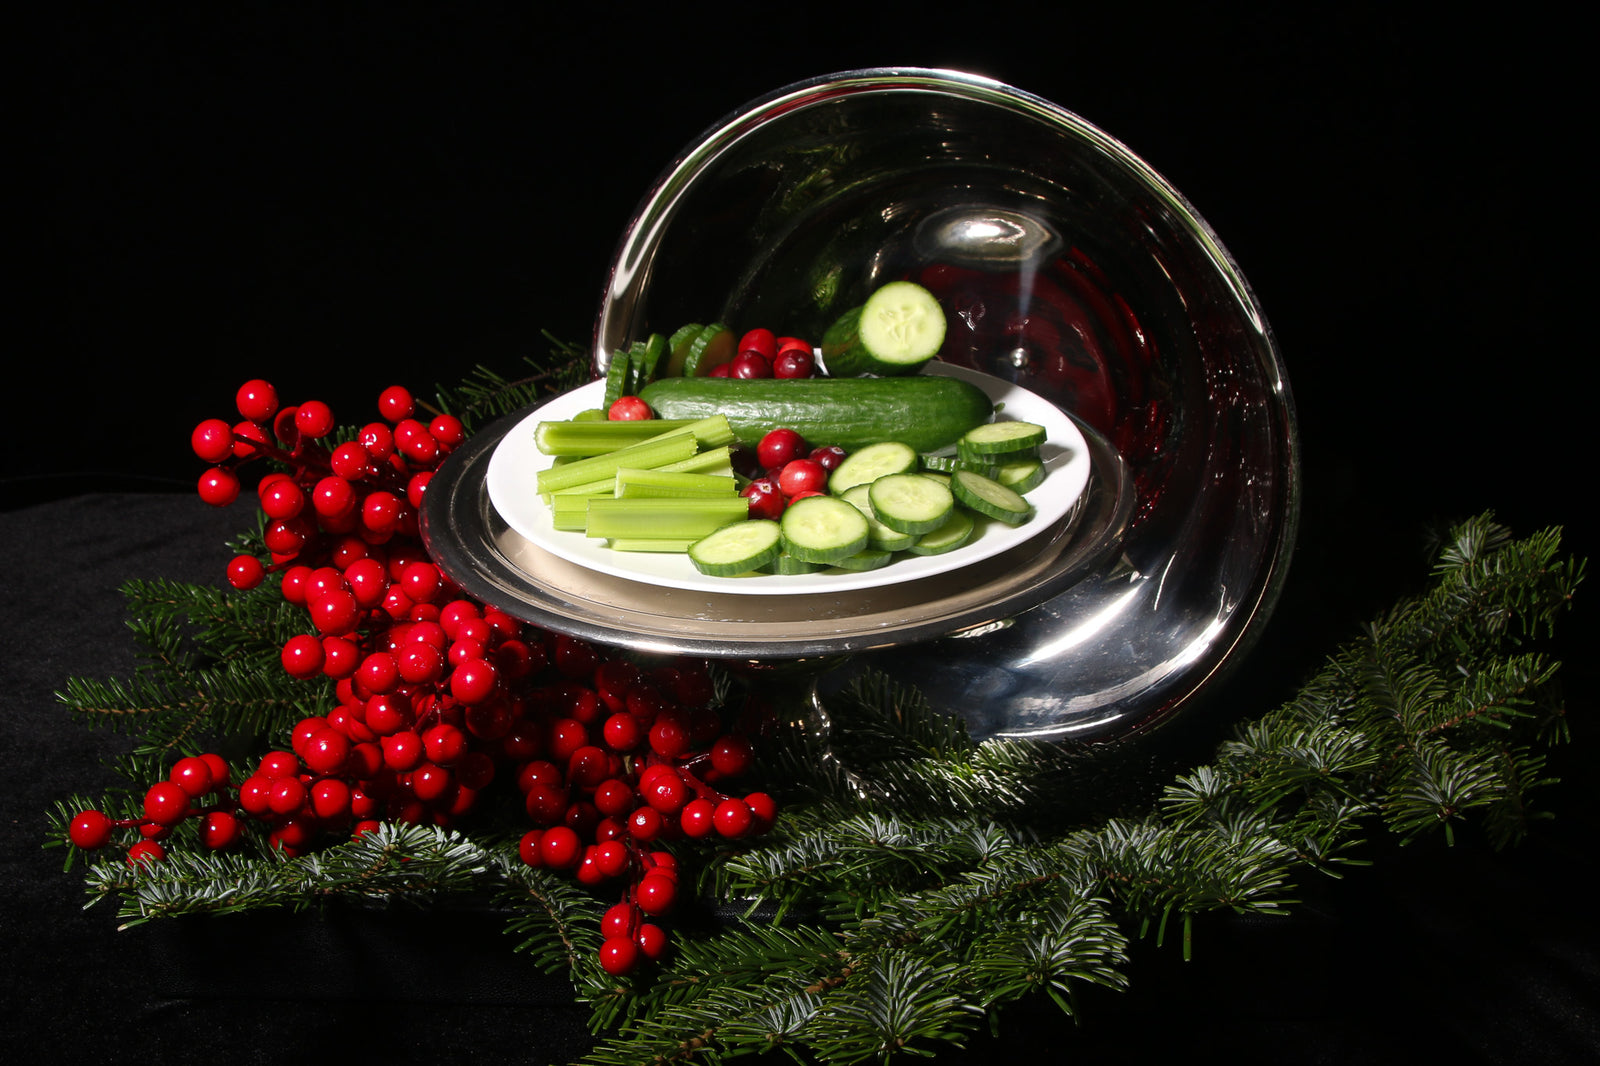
<point>581,438</point>
<point>632,483</point>
<point>718,461</point>
<point>667,448</point>
<point>676,545</point>
<point>569,512</point>
<point>713,431</point>
<point>708,461</point>
<point>611,518</point>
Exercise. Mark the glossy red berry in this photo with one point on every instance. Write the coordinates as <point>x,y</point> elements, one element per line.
<point>314,419</point>
<point>377,439</point>
<point>473,681</point>
<point>219,769</point>
<point>793,364</point>
<point>697,819</point>
<point>618,956</point>
<point>732,755</point>
<point>257,401</point>
<point>90,830</point>
<point>212,440</point>
<point>220,829</point>
<point>447,430</point>
<point>733,818</point>
<point>779,447</point>
<point>766,499</point>
<point>193,775</point>
<point>334,497</point>
<point>335,612</point>
<point>286,795</point>
<point>829,456</point>
<point>245,572</point>
<point>146,851</point>
<point>327,751</point>
<point>802,475</point>
<point>395,403</point>
<point>750,366</point>
<point>652,941</point>
<point>218,486</point>
<point>763,810</point>
<point>761,341</point>
<point>656,893</point>
<point>303,656</point>
<point>669,738</point>
<point>619,920</point>
<point>560,848</point>
<point>444,743</point>
<point>331,799</point>
<point>166,803</point>
<point>629,409</point>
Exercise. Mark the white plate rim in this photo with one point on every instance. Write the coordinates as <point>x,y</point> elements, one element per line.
<point>517,460</point>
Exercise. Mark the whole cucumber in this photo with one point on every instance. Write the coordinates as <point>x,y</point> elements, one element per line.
<point>923,411</point>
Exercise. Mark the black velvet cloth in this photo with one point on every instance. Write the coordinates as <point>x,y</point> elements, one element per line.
<point>339,198</point>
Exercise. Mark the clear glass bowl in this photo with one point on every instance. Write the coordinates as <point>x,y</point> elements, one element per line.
<point>1067,264</point>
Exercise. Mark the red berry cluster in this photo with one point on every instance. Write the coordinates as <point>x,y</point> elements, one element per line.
<point>439,697</point>
<point>762,354</point>
<point>788,469</point>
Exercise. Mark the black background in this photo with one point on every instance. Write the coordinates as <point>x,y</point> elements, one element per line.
<point>341,197</point>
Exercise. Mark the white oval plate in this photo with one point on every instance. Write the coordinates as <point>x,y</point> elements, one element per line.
<point>516,462</point>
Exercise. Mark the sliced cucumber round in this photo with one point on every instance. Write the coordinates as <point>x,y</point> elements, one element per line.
<point>879,535</point>
<point>898,329</point>
<point>787,565</point>
<point>865,559</point>
<point>618,374</point>
<point>823,529</point>
<point>1024,475</point>
<point>1005,437</point>
<point>712,347</point>
<point>866,465</point>
<point>737,548</point>
<point>990,498</point>
<point>955,533</point>
<point>911,503</point>
<point>678,348</point>
<point>646,357</point>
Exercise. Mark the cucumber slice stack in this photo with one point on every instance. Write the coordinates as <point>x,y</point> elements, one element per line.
<point>989,498</point>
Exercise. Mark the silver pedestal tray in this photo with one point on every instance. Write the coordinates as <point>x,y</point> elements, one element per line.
<point>1067,265</point>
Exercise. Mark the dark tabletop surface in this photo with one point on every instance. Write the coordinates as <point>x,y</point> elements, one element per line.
<point>340,201</point>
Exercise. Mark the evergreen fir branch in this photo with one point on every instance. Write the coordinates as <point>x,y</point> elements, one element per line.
<point>221,623</point>
<point>1508,817</point>
<point>1439,785</point>
<point>1494,697</point>
<point>894,1002</point>
<point>554,920</point>
<point>886,720</point>
<point>395,862</point>
<point>1488,587</point>
<point>921,881</point>
<point>746,989</point>
<point>486,395</point>
<point>1074,941</point>
<point>177,709</point>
